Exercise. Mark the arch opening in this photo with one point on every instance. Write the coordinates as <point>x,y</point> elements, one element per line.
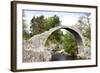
<point>75,37</point>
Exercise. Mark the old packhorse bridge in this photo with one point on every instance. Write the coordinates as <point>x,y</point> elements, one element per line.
<point>34,49</point>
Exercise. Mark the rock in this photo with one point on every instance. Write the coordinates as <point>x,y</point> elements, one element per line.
<point>36,56</point>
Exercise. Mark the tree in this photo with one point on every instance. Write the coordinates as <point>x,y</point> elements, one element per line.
<point>25,32</point>
<point>83,25</point>
<point>40,24</point>
<point>69,44</point>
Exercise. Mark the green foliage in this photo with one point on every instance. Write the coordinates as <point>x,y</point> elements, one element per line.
<point>25,32</point>
<point>26,35</point>
<point>40,24</point>
<point>84,26</point>
<point>70,44</point>
<point>64,43</point>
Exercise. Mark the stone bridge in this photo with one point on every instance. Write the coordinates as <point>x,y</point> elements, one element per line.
<point>37,43</point>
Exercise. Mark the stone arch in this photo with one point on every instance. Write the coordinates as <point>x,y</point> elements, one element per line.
<point>35,46</point>
<point>39,40</point>
<point>76,32</point>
